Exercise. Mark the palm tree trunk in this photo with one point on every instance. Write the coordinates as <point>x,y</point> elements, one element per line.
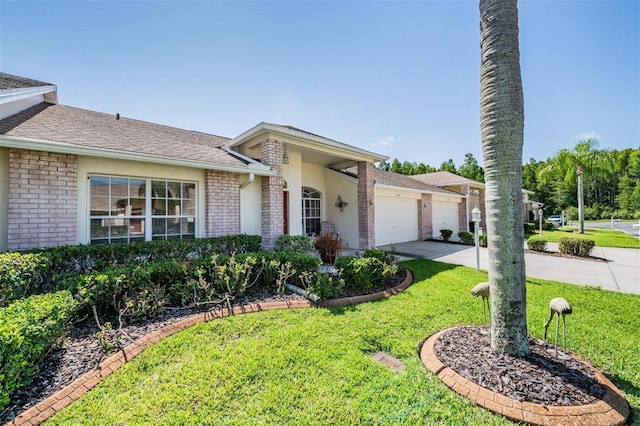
<point>502,126</point>
<point>580,202</point>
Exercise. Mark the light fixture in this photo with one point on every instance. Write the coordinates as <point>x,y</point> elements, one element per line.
<point>285,157</point>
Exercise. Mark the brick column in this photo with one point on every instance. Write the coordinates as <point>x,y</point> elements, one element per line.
<point>43,193</point>
<point>463,210</point>
<point>366,207</point>
<point>271,152</point>
<point>222,203</point>
<point>425,217</point>
<point>483,211</point>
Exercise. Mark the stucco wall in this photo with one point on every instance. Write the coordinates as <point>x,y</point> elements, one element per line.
<point>346,221</point>
<point>292,174</point>
<point>250,206</point>
<point>4,196</point>
<point>93,165</point>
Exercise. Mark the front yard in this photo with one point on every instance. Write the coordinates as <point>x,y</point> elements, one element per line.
<point>602,237</point>
<point>314,366</point>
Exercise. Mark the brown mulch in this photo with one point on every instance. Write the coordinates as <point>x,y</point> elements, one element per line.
<point>541,378</point>
<point>558,254</point>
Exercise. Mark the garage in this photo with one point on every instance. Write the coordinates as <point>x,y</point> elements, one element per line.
<point>445,216</point>
<point>396,220</point>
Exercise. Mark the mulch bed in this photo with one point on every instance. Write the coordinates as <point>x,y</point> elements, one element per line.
<point>541,378</point>
<point>558,254</point>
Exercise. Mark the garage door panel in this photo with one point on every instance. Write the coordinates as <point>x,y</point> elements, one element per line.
<point>445,216</point>
<point>396,220</point>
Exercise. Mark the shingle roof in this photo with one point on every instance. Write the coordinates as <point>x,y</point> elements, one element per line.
<point>75,126</point>
<point>383,177</point>
<point>445,178</point>
<point>10,81</point>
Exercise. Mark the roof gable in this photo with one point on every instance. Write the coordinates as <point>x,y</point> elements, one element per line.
<point>444,178</point>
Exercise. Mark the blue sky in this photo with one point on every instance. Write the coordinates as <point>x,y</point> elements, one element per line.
<point>398,78</point>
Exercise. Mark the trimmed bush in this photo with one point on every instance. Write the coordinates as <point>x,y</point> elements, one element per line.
<point>445,234</point>
<point>483,240</point>
<point>21,274</point>
<point>365,273</point>
<point>29,329</point>
<point>325,286</point>
<point>537,243</point>
<point>294,243</point>
<point>466,237</point>
<point>529,227</point>
<point>576,246</point>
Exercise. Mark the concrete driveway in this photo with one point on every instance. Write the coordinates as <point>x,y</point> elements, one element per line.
<point>619,269</point>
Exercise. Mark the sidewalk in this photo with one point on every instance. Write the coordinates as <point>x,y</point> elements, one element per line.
<point>621,271</point>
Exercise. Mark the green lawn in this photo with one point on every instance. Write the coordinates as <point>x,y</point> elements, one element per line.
<point>314,367</point>
<point>602,237</point>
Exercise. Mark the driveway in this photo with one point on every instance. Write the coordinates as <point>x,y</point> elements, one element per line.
<point>618,271</point>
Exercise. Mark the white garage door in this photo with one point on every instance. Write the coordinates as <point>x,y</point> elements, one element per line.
<point>445,216</point>
<point>396,220</point>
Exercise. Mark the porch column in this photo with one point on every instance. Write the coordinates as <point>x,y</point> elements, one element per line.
<point>271,152</point>
<point>483,211</point>
<point>366,207</point>
<point>222,203</point>
<point>425,217</point>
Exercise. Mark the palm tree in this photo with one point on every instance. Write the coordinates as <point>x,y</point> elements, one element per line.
<point>502,127</point>
<point>574,163</point>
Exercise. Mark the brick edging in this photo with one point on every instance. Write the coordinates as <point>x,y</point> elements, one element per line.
<point>83,384</point>
<point>612,409</point>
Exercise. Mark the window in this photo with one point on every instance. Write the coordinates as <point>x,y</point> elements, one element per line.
<point>124,210</point>
<point>311,208</point>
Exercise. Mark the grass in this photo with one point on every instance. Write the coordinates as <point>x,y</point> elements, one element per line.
<point>314,367</point>
<point>602,237</point>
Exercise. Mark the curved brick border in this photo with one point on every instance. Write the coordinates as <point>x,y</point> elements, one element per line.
<point>74,390</point>
<point>612,409</point>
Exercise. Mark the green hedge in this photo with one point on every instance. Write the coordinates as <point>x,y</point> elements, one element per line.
<point>576,246</point>
<point>29,329</point>
<point>537,243</point>
<point>466,237</point>
<point>365,273</point>
<point>293,243</point>
<point>21,274</point>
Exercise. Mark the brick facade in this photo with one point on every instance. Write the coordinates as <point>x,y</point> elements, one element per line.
<point>425,217</point>
<point>463,214</point>
<point>222,203</point>
<point>271,152</point>
<point>366,207</point>
<point>42,209</point>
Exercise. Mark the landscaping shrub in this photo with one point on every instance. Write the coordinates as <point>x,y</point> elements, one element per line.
<point>576,246</point>
<point>483,240</point>
<point>328,247</point>
<point>21,275</point>
<point>365,273</point>
<point>98,257</point>
<point>445,234</point>
<point>326,286</point>
<point>537,243</point>
<point>529,227</point>
<point>295,243</point>
<point>547,226</point>
<point>466,237</point>
<point>29,329</point>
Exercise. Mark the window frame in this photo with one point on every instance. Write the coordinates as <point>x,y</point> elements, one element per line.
<point>307,198</point>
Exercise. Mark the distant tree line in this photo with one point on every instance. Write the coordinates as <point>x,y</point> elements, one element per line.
<point>611,179</point>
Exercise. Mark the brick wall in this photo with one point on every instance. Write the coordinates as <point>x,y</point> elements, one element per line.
<point>366,209</point>
<point>42,209</point>
<point>425,217</point>
<point>271,152</point>
<point>222,203</point>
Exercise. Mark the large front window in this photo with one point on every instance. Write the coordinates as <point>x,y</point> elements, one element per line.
<point>311,208</point>
<point>133,209</point>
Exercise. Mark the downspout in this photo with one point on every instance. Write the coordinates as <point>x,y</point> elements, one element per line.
<point>247,182</point>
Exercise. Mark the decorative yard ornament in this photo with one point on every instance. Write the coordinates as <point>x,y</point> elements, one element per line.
<point>340,203</point>
<point>558,306</point>
<point>482,290</point>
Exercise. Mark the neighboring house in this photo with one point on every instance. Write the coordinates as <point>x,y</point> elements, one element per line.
<point>69,175</point>
<point>475,196</point>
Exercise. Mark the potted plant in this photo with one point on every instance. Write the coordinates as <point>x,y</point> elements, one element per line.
<point>328,247</point>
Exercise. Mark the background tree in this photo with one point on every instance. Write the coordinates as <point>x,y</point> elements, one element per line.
<point>470,169</point>
<point>573,164</point>
<point>629,195</point>
<point>502,128</point>
<point>448,166</point>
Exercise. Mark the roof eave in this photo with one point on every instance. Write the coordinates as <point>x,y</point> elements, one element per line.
<point>64,148</point>
<point>271,128</point>
<point>12,95</point>
<point>422,191</point>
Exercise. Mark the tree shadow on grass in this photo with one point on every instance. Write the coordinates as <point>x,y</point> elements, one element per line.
<point>630,389</point>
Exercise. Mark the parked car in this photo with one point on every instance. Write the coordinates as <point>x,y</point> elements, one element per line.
<point>555,219</point>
